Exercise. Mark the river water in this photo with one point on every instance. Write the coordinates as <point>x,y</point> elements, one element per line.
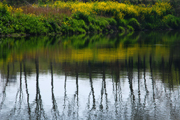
<point>91,77</point>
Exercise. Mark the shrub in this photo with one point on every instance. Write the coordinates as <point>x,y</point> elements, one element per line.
<point>102,23</point>
<point>81,16</point>
<point>112,21</point>
<point>122,22</point>
<point>4,10</point>
<point>134,23</point>
<point>149,26</point>
<point>171,21</point>
<point>80,30</point>
<point>92,27</point>
<point>52,25</point>
<point>130,28</point>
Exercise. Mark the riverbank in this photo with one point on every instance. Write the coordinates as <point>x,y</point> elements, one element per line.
<point>89,17</point>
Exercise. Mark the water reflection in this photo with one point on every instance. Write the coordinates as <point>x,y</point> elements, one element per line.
<point>128,82</point>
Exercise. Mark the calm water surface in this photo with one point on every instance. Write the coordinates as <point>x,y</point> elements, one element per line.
<point>100,77</point>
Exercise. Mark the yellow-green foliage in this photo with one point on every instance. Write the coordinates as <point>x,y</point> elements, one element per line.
<point>115,9</point>
<point>86,17</point>
<point>10,9</point>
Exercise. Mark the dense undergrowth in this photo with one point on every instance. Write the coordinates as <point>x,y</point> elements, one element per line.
<point>92,17</point>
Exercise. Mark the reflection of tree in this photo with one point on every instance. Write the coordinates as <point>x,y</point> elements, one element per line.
<point>117,89</point>
<point>4,89</point>
<point>19,97</point>
<point>139,99</point>
<point>139,92</point>
<point>130,77</point>
<point>77,91</point>
<point>55,111</point>
<point>65,93</point>
<point>170,78</point>
<point>39,110</point>
<point>91,84</point>
<point>163,70</point>
<point>153,84</point>
<point>28,104</point>
<point>145,84</point>
<point>103,90</point>
<point>152,75</point>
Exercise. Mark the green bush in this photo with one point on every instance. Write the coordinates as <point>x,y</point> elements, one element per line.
<point>148,26</point>
<point>92,27</point>
<point>102,23</point>
<point>52,25</point>
<point>3,11</point>
<point>112,21</point>
<point>81,16</point>
<point>122,22</point>
<point>134,23</point>
<point>130,28</point>
<point>80,30</point>
<point>171,21</point>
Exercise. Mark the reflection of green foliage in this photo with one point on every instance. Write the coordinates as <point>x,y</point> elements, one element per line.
<point>17,46</point>
<point>20,44</point>
<point>82,40</point>
<point>97,40</point>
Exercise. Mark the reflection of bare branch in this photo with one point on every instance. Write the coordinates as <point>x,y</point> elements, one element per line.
<point>170,78</point>
<point>20,88</point>
<point>77,91</point>
<point>106,95</point>
<point>130,77</point>
<point>65,94</point>
<point>88,104</point>
<point>4,89</point>
<point>92,88</point>
<point>145,85</point>
<point>55,110</point>
<point>114,89</point>
<point>39,110</point>
<point>112,78</point>
<point>25,77</point>
<point>102,92</point>
<point>139,92</point>
<point>163,70</point>
<point>152,77</point>
<point>18,100</point>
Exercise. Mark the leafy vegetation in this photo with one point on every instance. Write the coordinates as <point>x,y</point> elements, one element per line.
<point>82,18</point>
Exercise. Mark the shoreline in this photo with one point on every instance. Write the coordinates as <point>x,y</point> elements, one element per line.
<point>57,34</point>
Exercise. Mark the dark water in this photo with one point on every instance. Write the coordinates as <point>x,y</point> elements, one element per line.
<point>101,77</point>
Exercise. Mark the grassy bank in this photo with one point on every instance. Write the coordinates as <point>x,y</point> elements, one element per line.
<point>89,17</point>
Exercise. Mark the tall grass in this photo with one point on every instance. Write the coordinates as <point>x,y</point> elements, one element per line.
<point>45,11</point>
